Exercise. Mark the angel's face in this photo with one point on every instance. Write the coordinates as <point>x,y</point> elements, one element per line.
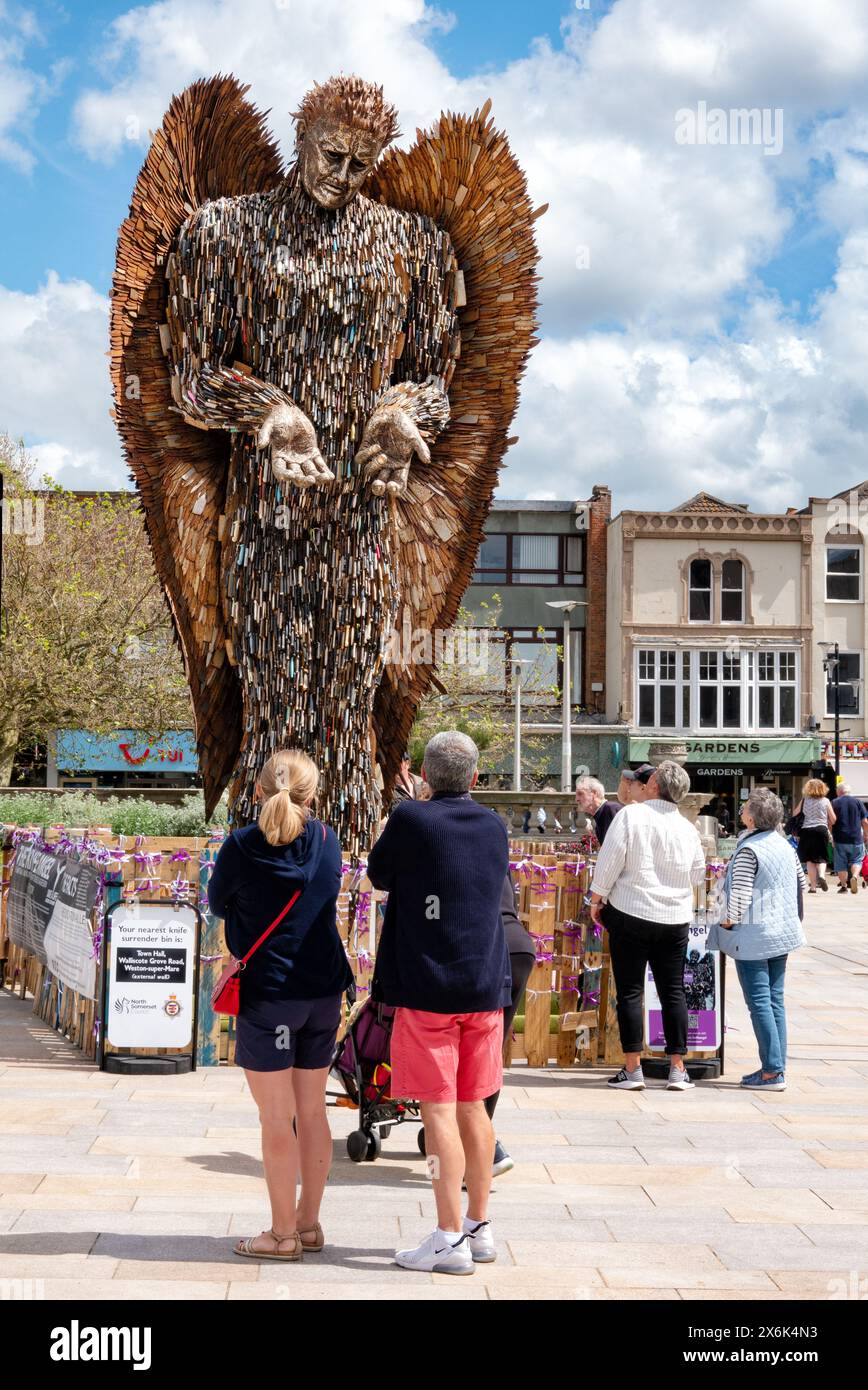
<point>334,160</point>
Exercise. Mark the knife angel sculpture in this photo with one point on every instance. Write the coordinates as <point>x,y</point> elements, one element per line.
<point>314,372</point>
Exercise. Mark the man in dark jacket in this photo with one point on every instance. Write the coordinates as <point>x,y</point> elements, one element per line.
<point>443,963</point>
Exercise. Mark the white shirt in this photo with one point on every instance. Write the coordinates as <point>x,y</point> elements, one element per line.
<point>650,860</point>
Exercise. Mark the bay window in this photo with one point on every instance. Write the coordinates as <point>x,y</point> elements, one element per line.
<point>716,689</point>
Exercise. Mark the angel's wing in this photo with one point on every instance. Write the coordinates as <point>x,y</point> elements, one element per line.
<point>463,175</point>
<point>211,144</point>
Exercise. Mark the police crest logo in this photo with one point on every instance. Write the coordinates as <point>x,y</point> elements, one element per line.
<point>172,1007</point>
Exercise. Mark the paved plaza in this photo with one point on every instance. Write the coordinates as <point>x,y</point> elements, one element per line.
<point>116,1187</point>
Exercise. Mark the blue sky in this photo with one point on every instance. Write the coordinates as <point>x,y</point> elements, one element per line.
<point>65,215</point>
<point>716,325</point>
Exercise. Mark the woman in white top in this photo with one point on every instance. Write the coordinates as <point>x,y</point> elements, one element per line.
<point>816,832</point>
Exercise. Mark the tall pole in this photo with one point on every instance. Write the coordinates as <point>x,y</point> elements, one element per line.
<point>566,736</point>
<point>837,684</point>
<point>516,765</point>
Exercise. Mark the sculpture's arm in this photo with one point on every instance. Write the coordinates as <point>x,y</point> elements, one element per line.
<point>209,388</point>
<point>414,409</point>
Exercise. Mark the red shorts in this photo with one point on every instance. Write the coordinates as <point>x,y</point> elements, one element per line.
<point>447,1057</point>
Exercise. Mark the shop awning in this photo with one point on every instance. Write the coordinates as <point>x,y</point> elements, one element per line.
<point>737,751</point>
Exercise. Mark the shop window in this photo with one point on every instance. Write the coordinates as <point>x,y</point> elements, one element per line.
<point>843,573</point>
<point>716,689</point>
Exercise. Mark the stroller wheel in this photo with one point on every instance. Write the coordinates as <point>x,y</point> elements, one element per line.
<point>420,1140</point>
<point>357,1145</point>
<point>375,1148</point>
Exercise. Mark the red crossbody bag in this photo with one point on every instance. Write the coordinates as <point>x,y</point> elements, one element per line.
<point>226,998</point>
<point>226,995</point>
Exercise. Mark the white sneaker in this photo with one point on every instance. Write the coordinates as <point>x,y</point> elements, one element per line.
<point>481,1241</point>
<point>438,1255</point>
<point>678,1080</point>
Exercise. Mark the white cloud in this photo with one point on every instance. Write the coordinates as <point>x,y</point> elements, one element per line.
<point>676,235</point>
<point>54,383</point>
<point>21,90</point>
<point>770,417</point>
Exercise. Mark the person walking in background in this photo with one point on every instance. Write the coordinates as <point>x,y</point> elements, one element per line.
<point>291,991</point>
<point>850,835</point>
<point>818,820</point>
<point>522,958</point>
<point>443,964</point>
<point>591,801</point>
<point>761,922</point>
<point>645,875</point>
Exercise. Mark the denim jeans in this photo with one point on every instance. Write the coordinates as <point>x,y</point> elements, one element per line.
<point>762,984</point>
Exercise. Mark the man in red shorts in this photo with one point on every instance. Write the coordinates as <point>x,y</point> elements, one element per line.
<point>443,962</point>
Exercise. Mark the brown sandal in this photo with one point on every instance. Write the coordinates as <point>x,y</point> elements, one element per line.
<point>245,1247</point>
<point>318,1238</point>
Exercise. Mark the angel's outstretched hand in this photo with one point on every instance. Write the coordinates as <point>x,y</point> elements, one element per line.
<point>390,441</point>
<point>295,455</point>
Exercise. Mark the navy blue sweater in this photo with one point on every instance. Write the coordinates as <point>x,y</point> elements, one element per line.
<point>443,947</point>
<point>252,881</point>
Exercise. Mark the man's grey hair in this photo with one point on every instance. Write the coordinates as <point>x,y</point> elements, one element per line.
<point>672,781</point>
<point>766,808</point>
<point>450,761</point>
<point>844,789</point>
<point>591,784</point>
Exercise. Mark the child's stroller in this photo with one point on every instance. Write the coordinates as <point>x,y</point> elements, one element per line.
<point>361,1065</point>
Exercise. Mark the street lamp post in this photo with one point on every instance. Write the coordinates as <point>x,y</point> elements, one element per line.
<point>832,662</point>
<point>566,606</point>
<point>517,663</point>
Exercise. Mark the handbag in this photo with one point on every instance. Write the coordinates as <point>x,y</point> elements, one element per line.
<point>795,823</point>
<point>226,998</point>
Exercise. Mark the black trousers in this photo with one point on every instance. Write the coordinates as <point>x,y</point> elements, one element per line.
<point>521,965</point>
<point>635,944</point>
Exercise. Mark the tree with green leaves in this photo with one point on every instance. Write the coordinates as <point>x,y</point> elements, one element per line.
<point>85,636</point>
<point>474,696</point>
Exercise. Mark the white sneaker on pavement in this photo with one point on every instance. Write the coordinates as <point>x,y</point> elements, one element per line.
<point>480,1238</point>
<point>678,1080</point>
<point>443,1252</point>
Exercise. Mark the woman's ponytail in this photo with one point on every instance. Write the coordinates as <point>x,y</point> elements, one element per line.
<point>288,781</point>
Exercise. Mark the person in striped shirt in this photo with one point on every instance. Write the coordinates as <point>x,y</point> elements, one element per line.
<point>761,910</point>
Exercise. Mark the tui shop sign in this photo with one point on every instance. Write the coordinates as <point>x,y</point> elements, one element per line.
<point>126,750</point>
<point>736,752</point>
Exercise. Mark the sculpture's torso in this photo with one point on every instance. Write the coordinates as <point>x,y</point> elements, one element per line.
<point>322,298</point>
<point>322,304</point>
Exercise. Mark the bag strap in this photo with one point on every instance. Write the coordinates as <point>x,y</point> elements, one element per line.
<point>276,923</point>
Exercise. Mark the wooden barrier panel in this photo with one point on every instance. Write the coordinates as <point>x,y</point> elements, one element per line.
<point>569,1018</point>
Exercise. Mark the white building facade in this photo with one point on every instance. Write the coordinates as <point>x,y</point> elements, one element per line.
<point>840,616</point>
<point>709,643</point>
